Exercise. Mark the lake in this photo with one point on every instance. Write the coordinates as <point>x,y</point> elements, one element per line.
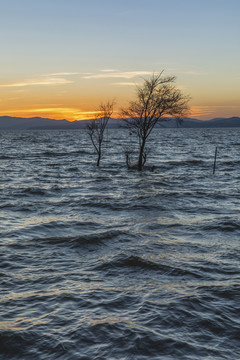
<point>110,263</point>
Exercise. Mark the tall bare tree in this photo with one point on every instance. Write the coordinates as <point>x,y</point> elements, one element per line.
<point>156,100</point>
<point>96,127</point>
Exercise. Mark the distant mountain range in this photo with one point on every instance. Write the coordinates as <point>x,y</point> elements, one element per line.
<point>38,123</point>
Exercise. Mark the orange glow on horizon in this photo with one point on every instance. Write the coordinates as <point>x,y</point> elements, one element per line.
<point>70,114</point>
<point>204,112</point>
<point>76,108</point>
<point>74,114</point>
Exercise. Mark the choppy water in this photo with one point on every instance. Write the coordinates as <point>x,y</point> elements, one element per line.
<point>114,264</point>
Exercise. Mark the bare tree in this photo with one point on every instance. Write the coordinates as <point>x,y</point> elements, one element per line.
<point>96,127</point>
<point>156,100</point>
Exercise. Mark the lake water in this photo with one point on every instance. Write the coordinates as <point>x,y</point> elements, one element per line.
<point>110,263</point>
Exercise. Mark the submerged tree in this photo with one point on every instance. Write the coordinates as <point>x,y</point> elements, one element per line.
<point>156,100</point>
<point>96,127</point>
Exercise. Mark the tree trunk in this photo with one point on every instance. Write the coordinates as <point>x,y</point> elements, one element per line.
<point>99,158</point>
<point>140,157</point>
<point>99,153</point>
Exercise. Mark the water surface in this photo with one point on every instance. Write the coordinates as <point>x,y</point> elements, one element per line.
<point>107,263</point>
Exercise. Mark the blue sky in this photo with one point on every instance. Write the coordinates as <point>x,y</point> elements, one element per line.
<point>62,57</point>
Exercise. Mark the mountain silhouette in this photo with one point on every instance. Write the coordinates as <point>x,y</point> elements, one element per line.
<point>38,123</point>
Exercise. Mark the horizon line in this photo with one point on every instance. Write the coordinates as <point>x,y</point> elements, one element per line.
<point>116,118</point>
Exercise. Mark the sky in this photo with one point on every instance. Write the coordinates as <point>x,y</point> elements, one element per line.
<point>62,58</point>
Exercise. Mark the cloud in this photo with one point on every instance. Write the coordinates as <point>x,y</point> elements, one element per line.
<point>60,78</point>
<point>192,72</point>
<point>109,70</point>
<point>68,73</point>
<point>212,109</point>
<point>40,81</point>
<point>64,74</point>
<point>126,83</point>
<point>121,75</point>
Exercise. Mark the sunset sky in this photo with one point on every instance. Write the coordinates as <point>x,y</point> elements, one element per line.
<point>61,58</point>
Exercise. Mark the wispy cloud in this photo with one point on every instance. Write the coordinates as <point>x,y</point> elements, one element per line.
<point>192,72</point>
<point>39,81</point>
<point>64,74</point>
<point>62,78</point>
<point>120,75</point>
<point>209,111</point>
<point>126,83</point>
<point>202,110</point>
<point>69,73</point>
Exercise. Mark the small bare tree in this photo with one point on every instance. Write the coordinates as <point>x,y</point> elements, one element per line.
<point>96,127</point>
<point>157,100</point>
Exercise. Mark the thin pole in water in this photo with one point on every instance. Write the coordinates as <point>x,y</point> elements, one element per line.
<point>215,159</point>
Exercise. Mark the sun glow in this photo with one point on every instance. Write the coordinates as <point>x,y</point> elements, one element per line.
<point>73,113</point>
<point>57,113</point>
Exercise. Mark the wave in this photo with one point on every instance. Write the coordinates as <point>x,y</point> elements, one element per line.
<point>63,154</point>
<point>53,154</point>
<point>73,169</point>
<point>6,157</point>
<point>34,191</point>
<point>186,163</point>
<point>86,239</point>
<point>137,263</point>
<point>223,226</point>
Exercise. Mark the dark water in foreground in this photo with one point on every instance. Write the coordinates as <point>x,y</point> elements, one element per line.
<point>114,264</point>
